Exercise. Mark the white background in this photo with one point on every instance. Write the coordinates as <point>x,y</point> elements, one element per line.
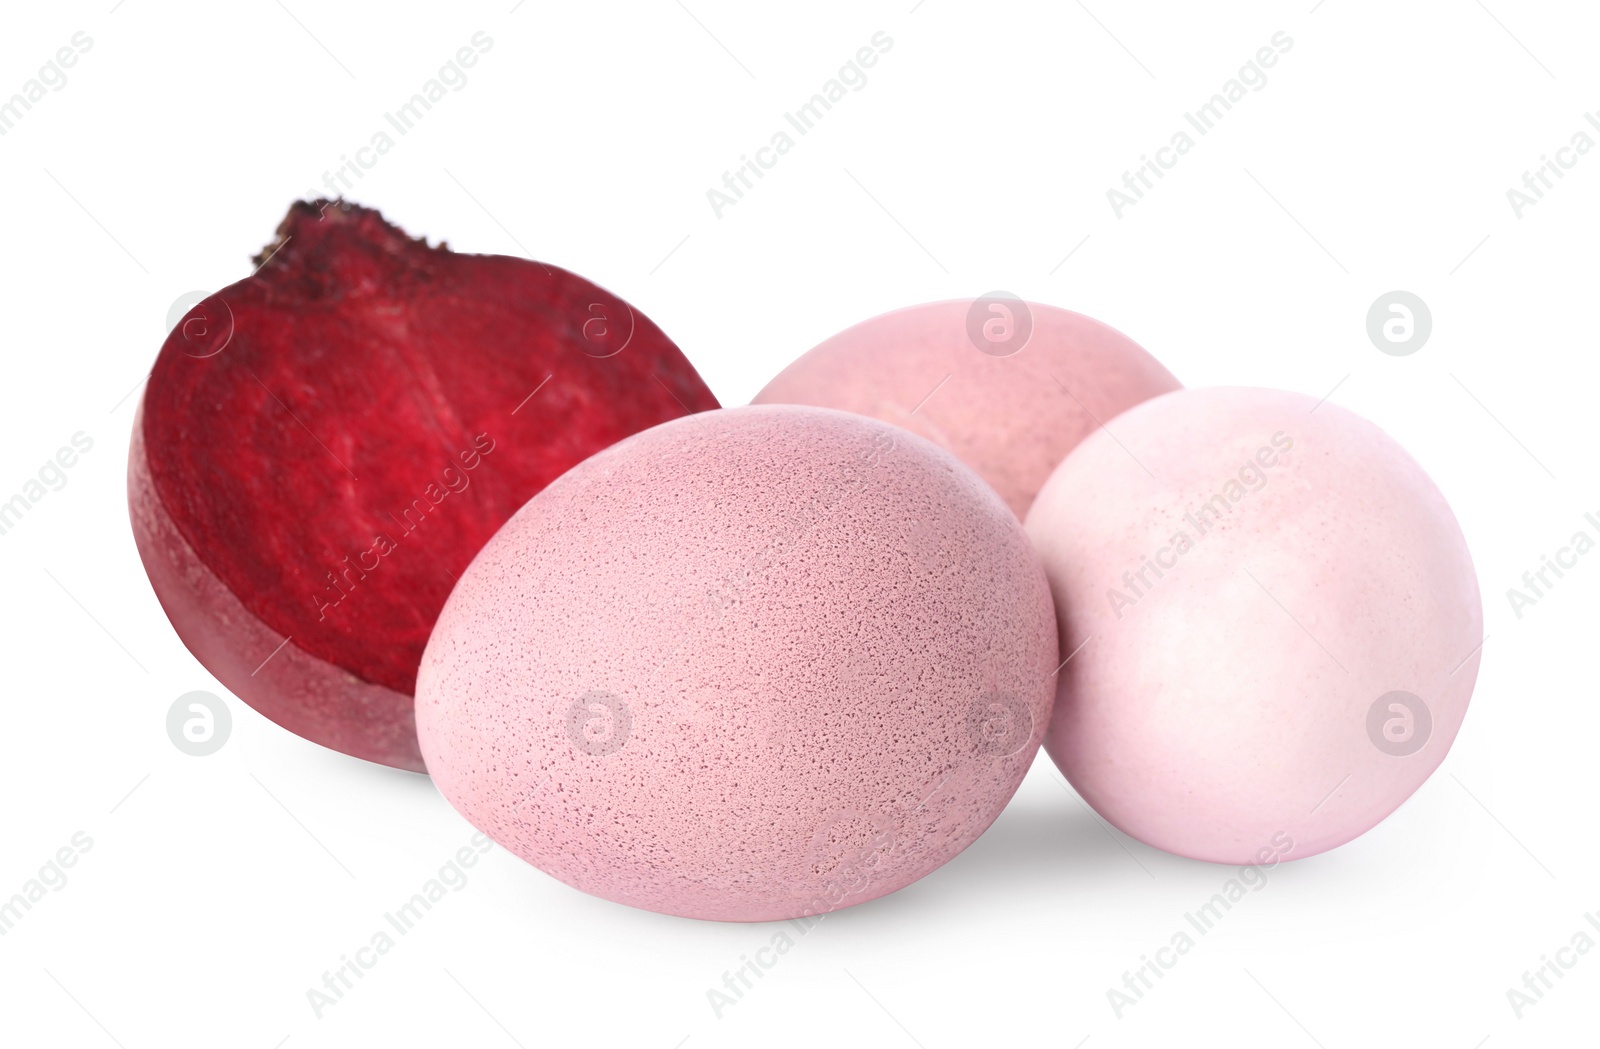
<point>1378,155</point>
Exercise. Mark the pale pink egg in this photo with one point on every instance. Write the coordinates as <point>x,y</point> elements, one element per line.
<point>751,664</point>
<point>1009,387</point>
<point>1275,617</point>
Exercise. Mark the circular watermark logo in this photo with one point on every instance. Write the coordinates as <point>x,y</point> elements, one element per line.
<point>198,723</point>
<point>599,723</point>
<point>202,322</point>
<point>1000,724</point>
<point>999,323</point>
<point>181,305</point>
<point>1399,723</point>
<point>1398,323</point>
<point>605,325</point>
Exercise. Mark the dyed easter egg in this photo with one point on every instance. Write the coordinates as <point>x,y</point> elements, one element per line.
<point>1275,621</point>
<point>1008,387</point>
<point>750,664</point>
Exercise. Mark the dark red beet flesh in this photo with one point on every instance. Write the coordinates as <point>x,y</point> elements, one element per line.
<point>324,446</point>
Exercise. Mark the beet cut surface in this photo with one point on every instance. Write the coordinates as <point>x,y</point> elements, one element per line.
<point>324,446</point>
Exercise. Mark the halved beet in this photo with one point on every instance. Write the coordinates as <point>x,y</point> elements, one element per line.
<point>324,446</point>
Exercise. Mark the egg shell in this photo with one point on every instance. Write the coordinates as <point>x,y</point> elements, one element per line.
<point>1009,387</point>
<point>750,664</point>
<point>1258,582</point>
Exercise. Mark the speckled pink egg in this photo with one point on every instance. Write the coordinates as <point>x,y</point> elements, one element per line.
<point>1275,618</point>
<point>1009,387</point>
<point>751,664</point>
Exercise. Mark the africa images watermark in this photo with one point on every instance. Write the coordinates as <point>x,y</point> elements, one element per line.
<point>1204,918</point>
<point>1252,76</point>
<point>52,877</point>
<point>1539,982</point>
<point>1252,478</point>
<point>199,723</point>
<point>51,75</point>
<point>1537,583</point>
<point>451,75</point>
<point>1543,178</point>
<point>52,477</point>
<point>452,877</point>
<point>345,576</point>
<point>843,856</point>
<point>742,978</point>
<point>853,847</point>
<point>852,76</point>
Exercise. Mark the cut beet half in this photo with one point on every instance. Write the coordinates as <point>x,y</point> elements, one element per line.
<point>324,446</point>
